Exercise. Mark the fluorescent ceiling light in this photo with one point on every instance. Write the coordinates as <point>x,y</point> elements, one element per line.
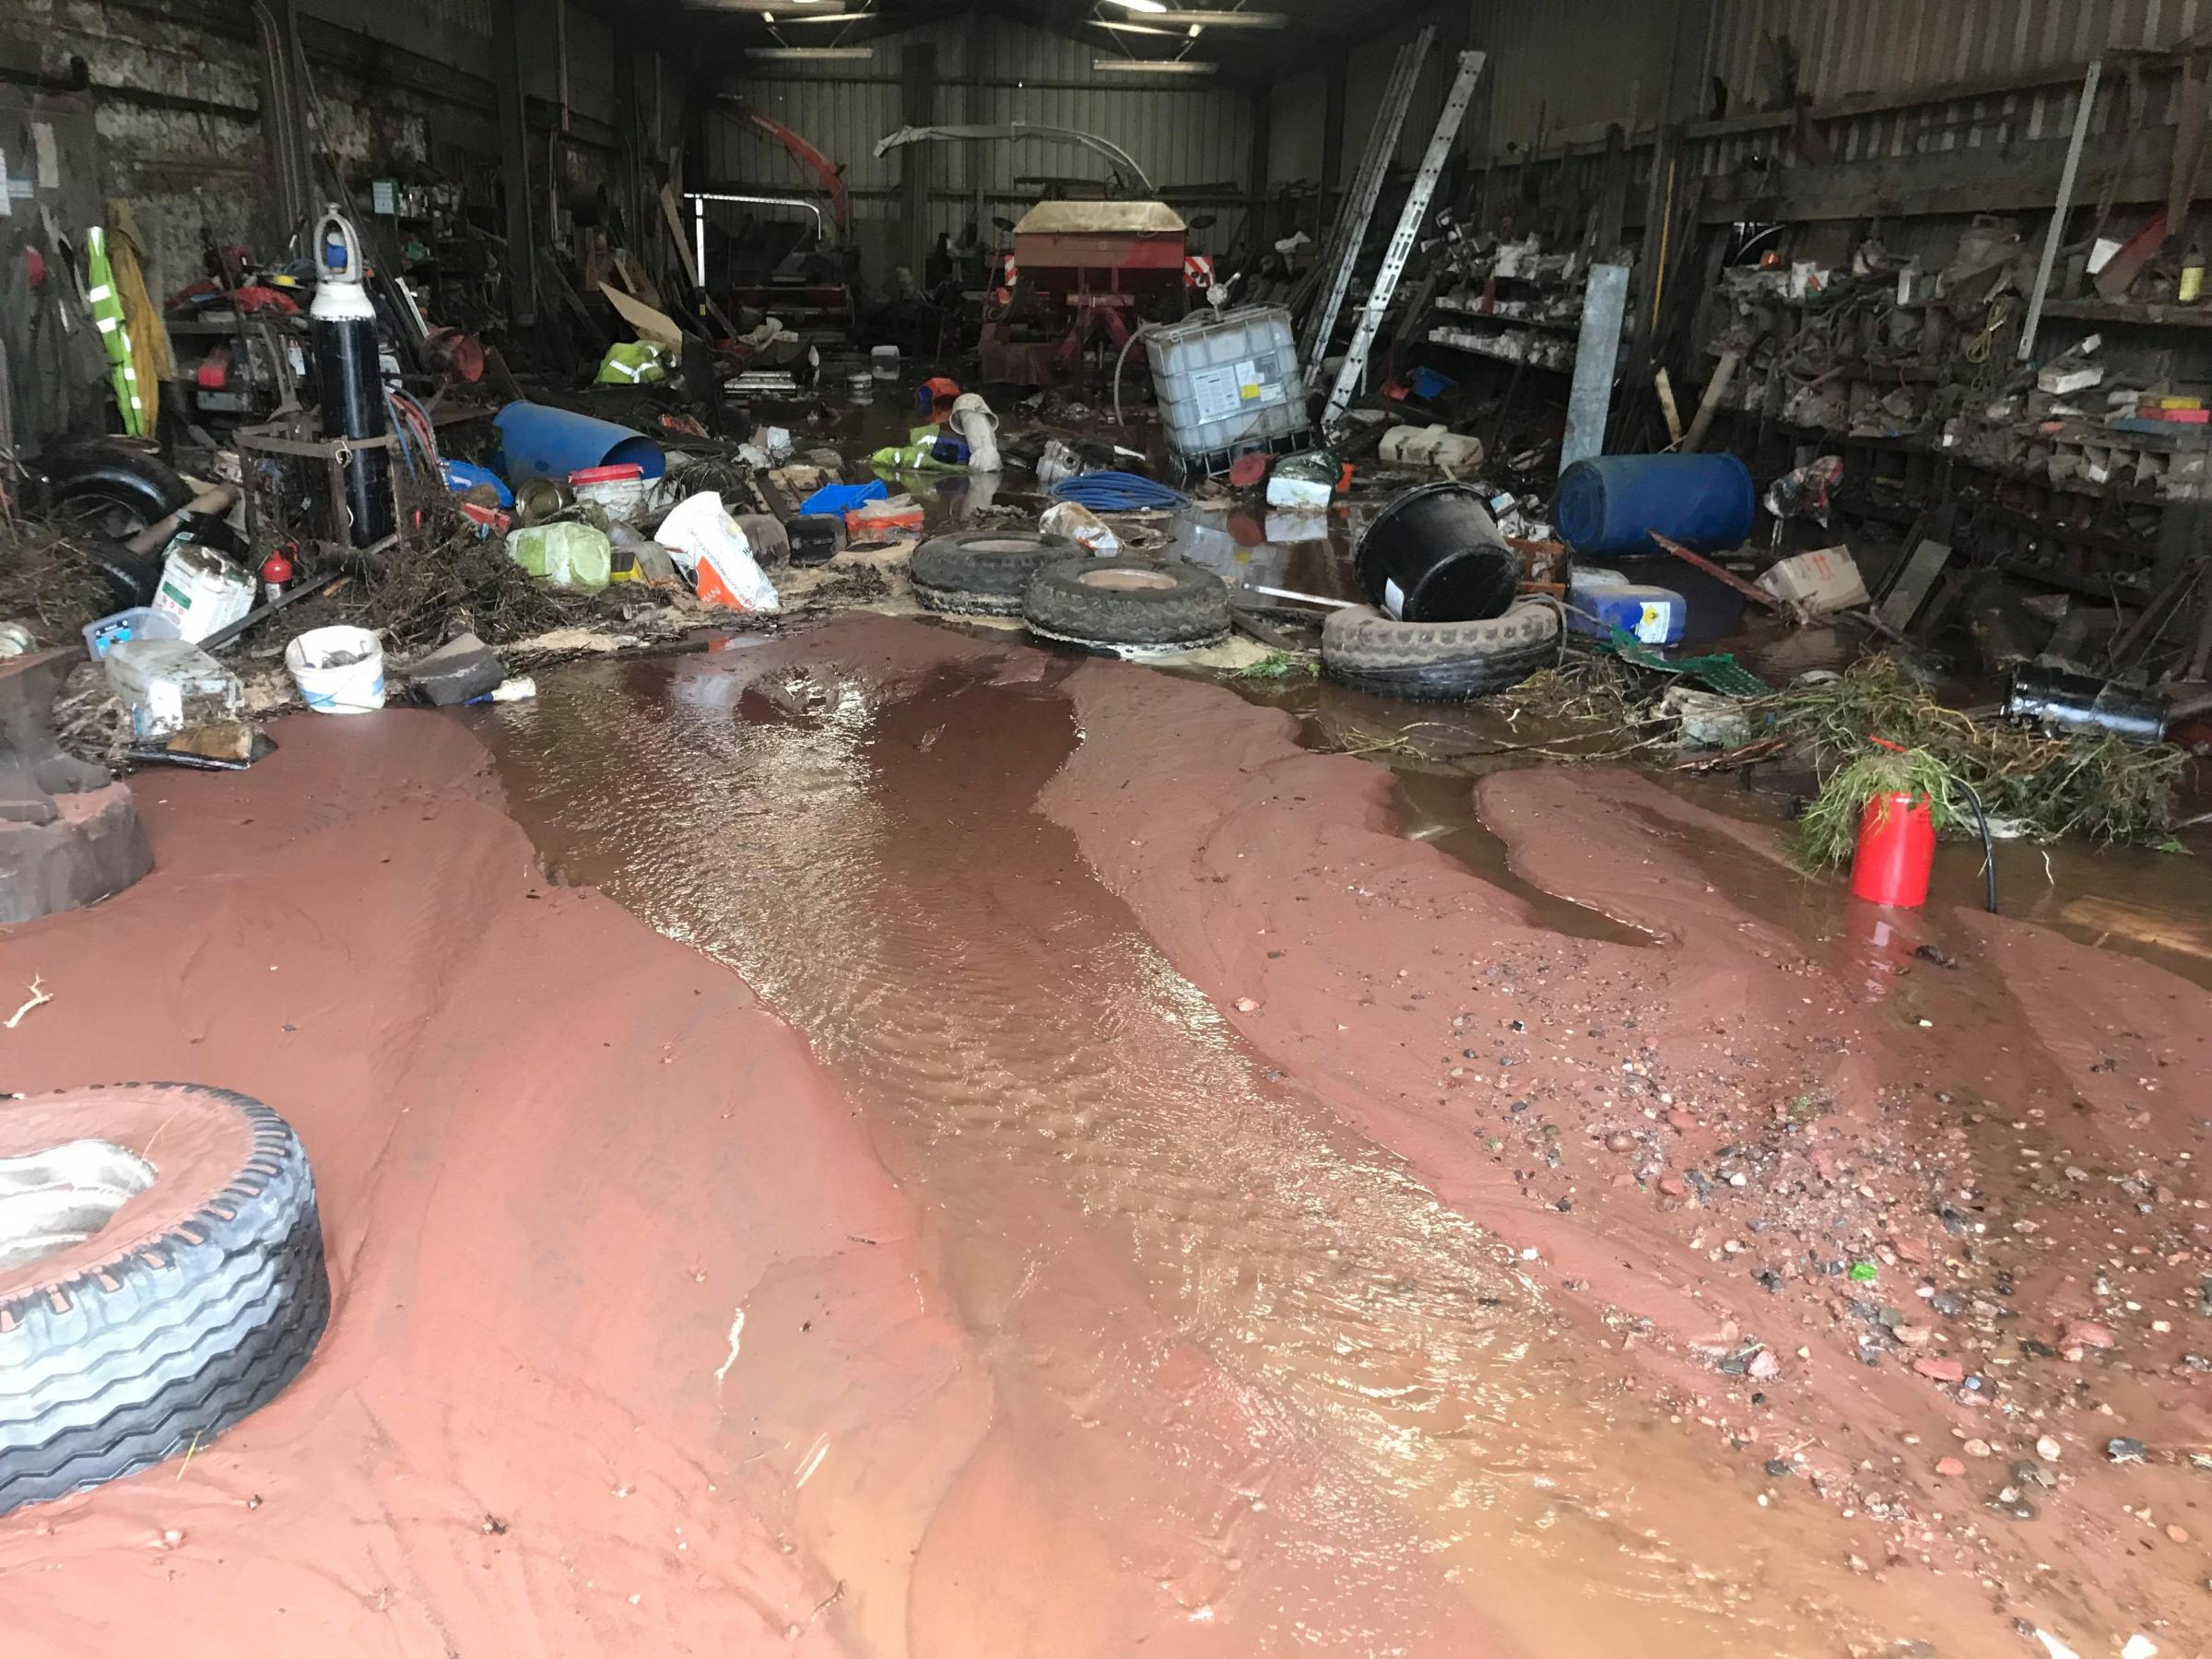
<point>1141,6</point>
<point>1144,29</point>
<point>814,17</point>
<point>1121,66</point>
<point>796,11</point>
<point>1222,19</point>
<point>812,55</point>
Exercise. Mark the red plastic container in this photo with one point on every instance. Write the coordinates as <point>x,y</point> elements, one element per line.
<point>1895,850</point>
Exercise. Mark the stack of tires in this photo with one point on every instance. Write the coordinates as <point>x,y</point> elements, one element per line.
<point>1065,595</point>
<point>1444,622</point>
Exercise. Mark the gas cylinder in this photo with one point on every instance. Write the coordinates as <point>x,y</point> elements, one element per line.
<point>343,322</point>
<point>275,576</point>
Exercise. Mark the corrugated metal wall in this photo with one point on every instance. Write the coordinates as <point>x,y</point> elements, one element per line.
<point>1886,46</point>
<point>1886,51</point>
<point>1183,133</point>
<point>453,31</point>
<point>1572,66</point>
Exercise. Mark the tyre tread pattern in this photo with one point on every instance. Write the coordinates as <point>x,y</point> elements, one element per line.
<point>123,1364</point>
<point>977,573</point>
<point>1062,606</point>
<point>1437,661</point>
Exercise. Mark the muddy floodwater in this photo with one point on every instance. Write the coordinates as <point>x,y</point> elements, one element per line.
<point>1275,1387</point>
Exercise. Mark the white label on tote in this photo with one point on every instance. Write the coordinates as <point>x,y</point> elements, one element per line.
<point>1394,600</point>
<point>1651,626</point>
<point>1217,393</point>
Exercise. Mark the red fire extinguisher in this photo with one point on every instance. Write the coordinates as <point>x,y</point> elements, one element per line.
<point>1895,847</point>
<point>1895,850</point>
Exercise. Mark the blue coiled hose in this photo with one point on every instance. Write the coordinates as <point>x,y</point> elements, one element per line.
<point>1117,492</point>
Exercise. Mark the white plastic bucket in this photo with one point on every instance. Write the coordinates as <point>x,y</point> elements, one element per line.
<point>339,686</point>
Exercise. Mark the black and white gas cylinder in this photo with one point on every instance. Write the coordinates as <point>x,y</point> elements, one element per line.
<point>344,324</point>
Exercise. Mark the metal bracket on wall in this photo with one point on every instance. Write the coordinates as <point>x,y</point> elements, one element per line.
<point>1402,239</point>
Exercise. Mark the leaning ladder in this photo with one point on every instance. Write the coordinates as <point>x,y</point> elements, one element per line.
<point>1349,232</point>
<point>1402,239</point>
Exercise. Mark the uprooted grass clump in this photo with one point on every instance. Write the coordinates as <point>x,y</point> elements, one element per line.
<point>2103,787</point>
<point>1830,828</point>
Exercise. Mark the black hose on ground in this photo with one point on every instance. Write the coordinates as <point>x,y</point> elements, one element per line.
<point>1989,847</point>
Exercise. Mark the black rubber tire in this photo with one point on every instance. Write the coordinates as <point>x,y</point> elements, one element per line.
<point>1079,603</point>
<point>983,572</point>
<point>132,577</point>
<point>117,486</point>
<point>197,1303</point>
<point>1437,662</point>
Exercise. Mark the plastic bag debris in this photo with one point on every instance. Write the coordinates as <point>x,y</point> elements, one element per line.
<point>1080,523</point>
<point>709,545</point>
<point>1805,490</point>
<point>1304,481</point>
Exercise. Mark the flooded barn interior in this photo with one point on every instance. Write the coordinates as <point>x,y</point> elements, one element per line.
<point>970,830</point>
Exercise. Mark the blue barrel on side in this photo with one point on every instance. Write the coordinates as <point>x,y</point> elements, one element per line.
<point>541,441</point>
<point>1612,503</point>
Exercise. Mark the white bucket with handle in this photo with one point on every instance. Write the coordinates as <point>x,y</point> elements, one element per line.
<point>338,670</point>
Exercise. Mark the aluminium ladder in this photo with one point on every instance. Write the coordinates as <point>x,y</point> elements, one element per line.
<point>1349,234</point>
<point>1402,239</point>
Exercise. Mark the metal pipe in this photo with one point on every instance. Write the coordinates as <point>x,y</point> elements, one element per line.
<point>2056,234</point>
<point>702,197</point>
<point>1275,593</point>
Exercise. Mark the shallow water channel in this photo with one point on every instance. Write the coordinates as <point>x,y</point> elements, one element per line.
<point>1277,1377</point>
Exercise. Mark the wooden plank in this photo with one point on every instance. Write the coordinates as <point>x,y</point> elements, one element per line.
<point>1911,586</point>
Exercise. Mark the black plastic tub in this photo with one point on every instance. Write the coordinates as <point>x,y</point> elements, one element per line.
<point>1435,555</point>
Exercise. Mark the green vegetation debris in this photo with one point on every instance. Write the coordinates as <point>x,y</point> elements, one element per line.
<point>1864,1273</point>
<point>2100,786</point>
<point>1278,666</point>
<point>1829,827</point>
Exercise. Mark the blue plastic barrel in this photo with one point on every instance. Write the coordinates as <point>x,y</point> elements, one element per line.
<point>1612,503</point>
<point>544,442</point>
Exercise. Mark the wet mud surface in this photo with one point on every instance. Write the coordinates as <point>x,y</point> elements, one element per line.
<point>1269,1371</point>
<point>558,1161</point>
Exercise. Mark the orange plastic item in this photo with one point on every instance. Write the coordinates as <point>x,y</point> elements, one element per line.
<point>879,517</point>
<point>936,397</point>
